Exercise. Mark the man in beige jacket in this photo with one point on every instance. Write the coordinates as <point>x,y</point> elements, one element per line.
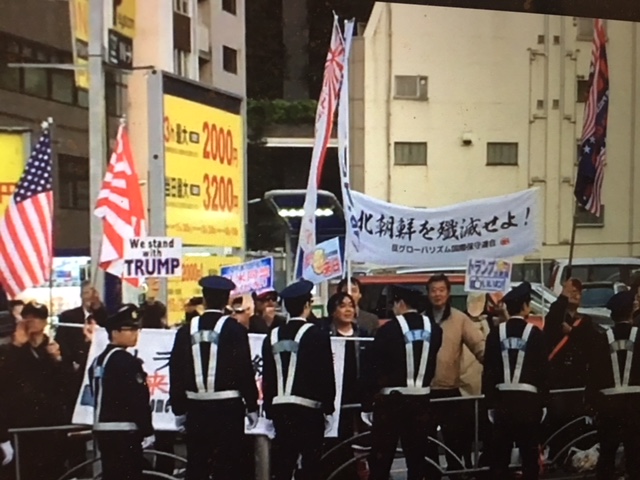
<point>458,331</point>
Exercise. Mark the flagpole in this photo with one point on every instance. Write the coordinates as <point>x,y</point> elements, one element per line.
<point>572,245</point>
<point>48,125</point>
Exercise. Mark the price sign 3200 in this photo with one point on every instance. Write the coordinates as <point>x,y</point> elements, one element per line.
<point>218,193</point>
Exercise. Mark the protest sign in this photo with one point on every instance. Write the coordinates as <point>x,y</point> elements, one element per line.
<point>385,234</point>
<point>255,276</point>
<point>324,262</point>
<point>154,350</point>
<point>158,257</point>
<point>487,275</point>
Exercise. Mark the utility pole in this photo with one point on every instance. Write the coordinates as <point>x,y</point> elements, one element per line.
<point>97,130</point>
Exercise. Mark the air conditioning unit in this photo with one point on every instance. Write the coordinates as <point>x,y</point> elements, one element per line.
<point>411,87</point>
<point>203,41</point>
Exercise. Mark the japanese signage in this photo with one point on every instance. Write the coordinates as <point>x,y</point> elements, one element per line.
<point>204,152</point>
<point>154,350</point>
<point>180,290</point>
<point>385,234</point>
<point>323,263</point>
<point>159,257</point>
<point>120,41</point>
<point>12,150</point>
<point>79,16</point>
<point>255,276</point>
<point>487,275</point>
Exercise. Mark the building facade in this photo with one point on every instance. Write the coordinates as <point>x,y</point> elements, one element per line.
<point>450,105</point>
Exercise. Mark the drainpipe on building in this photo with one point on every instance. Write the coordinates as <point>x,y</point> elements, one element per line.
<point>389,97</point>
<point>632,148</point>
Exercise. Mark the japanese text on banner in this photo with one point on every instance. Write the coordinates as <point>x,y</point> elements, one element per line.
<point>386,234</point>
<point>204,156</point>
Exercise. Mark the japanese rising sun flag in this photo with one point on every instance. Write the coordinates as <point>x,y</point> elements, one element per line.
<point>120,207</point>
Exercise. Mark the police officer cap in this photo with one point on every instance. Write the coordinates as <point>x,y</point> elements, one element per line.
<point>519,294</point>
<point>127,316</point>
<point>299,289</point>
<point>35,310</point>
<point>621,303</point>
<point>7,324</point>
<point>216,282</point>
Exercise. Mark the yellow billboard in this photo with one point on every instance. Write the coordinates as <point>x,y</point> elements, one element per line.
<point>13,153</point>
<point>204,179</point>
<point>79,15</point>
<point>124,17</point>
<point>180,290</point>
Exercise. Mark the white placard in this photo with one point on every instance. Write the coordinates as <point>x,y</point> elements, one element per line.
<point>488,275</point>
<point>154,349</point>
<point>152,257</point>
<point>385,234</point>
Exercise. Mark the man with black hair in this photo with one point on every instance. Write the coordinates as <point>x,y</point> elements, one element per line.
<point>369,322</point>
<point>397,402</point>
<point>212,386</point>
<point>299,386</point>
<point>122,416</point>
<point>265,317</point>
<point>613,389</point>
<point>515,383</point>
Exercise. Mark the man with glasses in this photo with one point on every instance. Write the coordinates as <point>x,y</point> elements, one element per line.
<point>266,317</point>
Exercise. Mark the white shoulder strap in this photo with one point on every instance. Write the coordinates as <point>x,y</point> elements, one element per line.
<point>293,363</point>
<point>513,343</point>
<point>616,346</point>
<point>521,353</point>
<point>426,343</point>
<point>212,338</point>
<point>278,347</point>
<point>98,378</point>
<point>411,336</point>
<point>408,350</point>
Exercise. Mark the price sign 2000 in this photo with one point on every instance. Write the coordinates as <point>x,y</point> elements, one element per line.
<point>218,144</point>
<point>218,193</point>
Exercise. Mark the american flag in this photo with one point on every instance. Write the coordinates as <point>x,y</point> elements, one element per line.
<point>26,246</point>
<point>120,207</point>
<point>593,146</point>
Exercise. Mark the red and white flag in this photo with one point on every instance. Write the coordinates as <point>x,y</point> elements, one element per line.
<point>26,246</point>
<point>325,114</point>
<point>120,207</point>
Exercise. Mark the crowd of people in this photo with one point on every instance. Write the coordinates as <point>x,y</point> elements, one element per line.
<point>404,382</point>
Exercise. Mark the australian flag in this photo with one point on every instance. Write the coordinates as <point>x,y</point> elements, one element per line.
<point>593,146</point>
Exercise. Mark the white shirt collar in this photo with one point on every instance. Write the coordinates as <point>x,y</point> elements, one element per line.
<point>296,319</point>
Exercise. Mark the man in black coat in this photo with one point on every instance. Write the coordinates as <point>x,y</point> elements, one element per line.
<point>515,383</point>
<point>298,386</point>
<point>213,386</point>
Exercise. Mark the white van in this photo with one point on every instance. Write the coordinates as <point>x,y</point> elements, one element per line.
<point>614,270</point>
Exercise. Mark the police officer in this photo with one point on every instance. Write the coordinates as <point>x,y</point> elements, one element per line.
<point>210,375</point>
<point>613,389</point>
<point>299,386</point>
<point>122,415</point>
<point>516,385</point>
<point>402,366</point>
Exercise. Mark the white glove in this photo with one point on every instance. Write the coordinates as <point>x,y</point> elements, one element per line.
<point>492,415</point>
<point>328,423</point>
<point>544,414</point>
<point>148,441</point>
<point>180,422</point>
<point>588,420</point>
<point>367,418</point>
<point>252,418</point>
<point>7,452</point>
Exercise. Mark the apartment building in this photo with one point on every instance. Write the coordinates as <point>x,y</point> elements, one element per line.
<point>454,104</point>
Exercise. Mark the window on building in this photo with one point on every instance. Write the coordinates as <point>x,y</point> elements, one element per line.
<point>229,6</point>
<point>82,98</point>
<point>502,154</point>
<point>181,62</point>
<point>229,59</point>
<point>583,90</point>
<point>586,219</point>
<point>73,182</point>
<point>115,93</point>
<point>181,6</point>
<point>36,80</point>
<point>410,153</point>
<point>585,29</point>
<point>9,53</point>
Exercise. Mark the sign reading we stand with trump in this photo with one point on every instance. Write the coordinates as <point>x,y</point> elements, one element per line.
<point>158,257</point>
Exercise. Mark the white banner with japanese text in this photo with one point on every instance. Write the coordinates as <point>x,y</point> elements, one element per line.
<point>385,234</point>
<point>154,349</point>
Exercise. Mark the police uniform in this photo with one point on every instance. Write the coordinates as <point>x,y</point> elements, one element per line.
<point>613,389</point>
<point>210,375</point>
<point>299,389</point>
<point>122,414</point>
<point>516,386</point>
<point>402,366</point>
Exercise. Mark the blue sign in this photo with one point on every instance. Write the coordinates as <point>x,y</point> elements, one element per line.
<point>323,262</point>
<point>488,275</point>
<point>255,276</point>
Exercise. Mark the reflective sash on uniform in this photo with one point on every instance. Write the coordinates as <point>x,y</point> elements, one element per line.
<point>285,385</point>
<point>212,337</point>
<point>615,346</point>
<point>512,382</point>
<point>98,378</point>
<point>414,382</point>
